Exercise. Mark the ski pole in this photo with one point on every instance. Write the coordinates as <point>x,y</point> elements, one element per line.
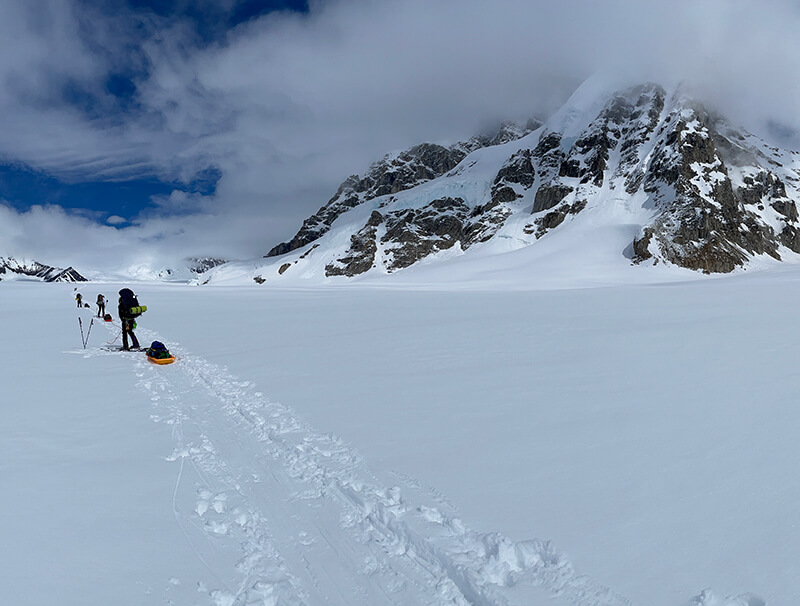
<point>81,325</point>
<point>88,332</point>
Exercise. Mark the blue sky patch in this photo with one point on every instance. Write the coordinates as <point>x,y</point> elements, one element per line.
<point>22,188</point>
<point>114,98</point>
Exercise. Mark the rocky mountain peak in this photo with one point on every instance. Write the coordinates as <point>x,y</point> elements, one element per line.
<point>393,174</point>
<point>705,195</point>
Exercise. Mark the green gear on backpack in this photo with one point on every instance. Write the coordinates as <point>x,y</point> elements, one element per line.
<point>138,310</point>
<point>134,326</point>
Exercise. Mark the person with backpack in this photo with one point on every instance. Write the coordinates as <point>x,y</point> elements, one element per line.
<point>79,299</point>
<point>101,306</point>
<point>128,310</point>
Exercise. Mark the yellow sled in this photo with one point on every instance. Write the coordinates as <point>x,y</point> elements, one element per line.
<point>158,354</point>
<point>169,360</point>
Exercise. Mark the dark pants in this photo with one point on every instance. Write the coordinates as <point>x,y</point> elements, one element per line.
<point>127,329</point>
<point>101,310</point>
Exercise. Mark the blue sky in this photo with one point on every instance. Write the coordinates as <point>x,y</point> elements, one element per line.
<point>112,96</point>
<point>23,187</point>
<point>215,127</point>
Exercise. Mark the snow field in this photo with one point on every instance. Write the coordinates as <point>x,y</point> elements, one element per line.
<point>316,527</point>
<point>474,446</point>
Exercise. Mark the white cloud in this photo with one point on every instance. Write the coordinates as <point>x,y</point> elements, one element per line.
<point>51,235</point>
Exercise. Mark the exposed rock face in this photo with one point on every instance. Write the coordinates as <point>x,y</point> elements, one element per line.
<point>393,174</point>
<point>518,169</point>
<point>66,275</point>
<point>198,265</point>
<point>318,224</point>
<point>403,237</point>
<point>706,223</point>
<point>406,237</point>
<point>547,196</point>
<point>515,176</point>
<point>555,217</point>
<point>678,155</point>
<point>622,127</point>
<point>38,270</point>
<point>360,257</point>
<point>413,235</point>
<point>705,196</point>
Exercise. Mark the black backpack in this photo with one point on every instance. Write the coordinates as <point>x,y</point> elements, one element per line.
<point>127,301</point>
<point>158,350</point>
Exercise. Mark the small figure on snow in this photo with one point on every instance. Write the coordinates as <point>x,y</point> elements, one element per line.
<point>79,299</point>
<point>101,306</point>
<point>127,309</point>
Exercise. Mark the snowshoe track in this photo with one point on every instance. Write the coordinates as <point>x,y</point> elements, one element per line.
<point>312,525</point>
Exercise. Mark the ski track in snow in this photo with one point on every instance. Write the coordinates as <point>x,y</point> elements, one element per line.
<point>312,523</point>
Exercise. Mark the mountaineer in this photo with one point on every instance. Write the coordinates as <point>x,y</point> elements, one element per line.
<point>129,309</point>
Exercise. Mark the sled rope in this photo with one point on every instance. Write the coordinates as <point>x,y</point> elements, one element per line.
<point>114,340</point>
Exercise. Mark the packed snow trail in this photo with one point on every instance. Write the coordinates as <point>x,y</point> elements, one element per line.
<point>311,523</point>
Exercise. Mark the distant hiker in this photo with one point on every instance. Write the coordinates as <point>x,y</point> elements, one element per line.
<point>79,299</point>
<point>128,310</point>
<point>101,306</point>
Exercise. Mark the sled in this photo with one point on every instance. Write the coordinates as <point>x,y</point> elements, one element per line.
<point>157,353</point>
<point>169,360</point>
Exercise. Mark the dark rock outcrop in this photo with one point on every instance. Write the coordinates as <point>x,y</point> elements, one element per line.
<point>37,270</point>
<point>360,257</point>
<point>198,265</point>
<point>409,235</point>
<point>393,174</point>
<point>704,224</point>
<point>406,236</point>
<point>548,196</point>
<point>556,217</point>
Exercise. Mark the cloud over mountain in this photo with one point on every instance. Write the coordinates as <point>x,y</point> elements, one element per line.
<point>285,105</point>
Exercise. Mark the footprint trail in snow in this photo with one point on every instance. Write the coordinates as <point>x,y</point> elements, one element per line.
<point>280,514</point>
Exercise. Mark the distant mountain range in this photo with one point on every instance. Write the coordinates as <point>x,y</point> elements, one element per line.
<point>188,270</point>
<point>689,189</point>
<point>15,268</point>
<point>642,176</point>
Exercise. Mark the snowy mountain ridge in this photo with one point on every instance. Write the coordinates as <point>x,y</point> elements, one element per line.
<point>637,177</point>
<point>13,268</point>
<point>152,268</point>
<point>397,172</point>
